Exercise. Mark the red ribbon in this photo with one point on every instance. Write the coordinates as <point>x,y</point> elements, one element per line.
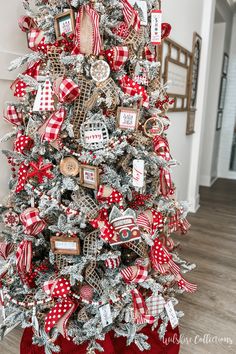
<point>51,128</point>
<point>13,116</point>
<point>131,15</point>
<point>140,309</point>
<point>117,57</point>
<point>185,285</point>
<point>151,220</point>
<point>166,186</point>
<point>113,197</point>
<point>32,222</point>
<point>134,274</point>
<point>19,86</point>
<point>24,259</point>
<point>161,259</point>
<point>59,315</point>
<point>161,147</point>
<point>130,87</point>
<point>26,23</point>
<point>22,143</point>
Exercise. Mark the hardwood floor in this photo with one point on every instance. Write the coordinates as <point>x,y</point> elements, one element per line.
<point>209,324</point>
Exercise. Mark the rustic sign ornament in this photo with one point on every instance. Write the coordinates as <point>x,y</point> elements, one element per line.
<point>89,176</point>
<point>94,135</point>
<point>153,127</point>
<point>65,245</point>
<point>64,23</point>
<point>127,118</point>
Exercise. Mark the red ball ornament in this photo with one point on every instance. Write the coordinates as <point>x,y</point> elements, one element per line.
<point>87,292</point>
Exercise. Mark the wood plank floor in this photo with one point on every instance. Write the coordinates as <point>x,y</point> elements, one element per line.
<point>209,324</point>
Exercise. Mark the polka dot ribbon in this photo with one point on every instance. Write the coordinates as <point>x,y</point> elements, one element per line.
<point>108,195</point>
<point>59,315</point>
<point>161,259</point>
<point>151,220</point>
<point>132,88</point>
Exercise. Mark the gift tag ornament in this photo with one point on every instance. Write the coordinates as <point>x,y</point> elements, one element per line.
<point>105,313</point>
<point>153,127</point>
<point>69,166</point>
<point>156,32</point>
<point>171,314</point>
<point>138,173</point>
<point>100,71</point>
<point>10,218</point>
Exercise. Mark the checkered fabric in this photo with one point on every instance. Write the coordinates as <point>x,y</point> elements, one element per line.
<point>185,285</point>
<point>32,222</point>
<point>132,88</point>
<point>66,90</point>
<point>12,116</point>
<point>162,148</point>
<point>134,274</point>
<point>140,309</point>
<point>35,37</point>
<point>112,263</point>
<point>53,125</point>
<point>166,187</point>
<point>24,257</point>
<point>131,15</point>
<point>149,54</point>
<point>26,23</point>
<point>155,305</point>
<point>162,260</point>
<point>46,99</point>
<point>117,57</point>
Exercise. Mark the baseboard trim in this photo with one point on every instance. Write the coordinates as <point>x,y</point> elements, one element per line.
<point>194,204</point>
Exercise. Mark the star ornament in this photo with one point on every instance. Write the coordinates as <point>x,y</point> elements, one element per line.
<point>40,170</point>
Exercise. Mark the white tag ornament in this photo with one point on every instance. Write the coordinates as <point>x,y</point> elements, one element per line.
<point>105,313</point>
<point>156,20</point>
<point>171,314</point>
<point>138,173</point>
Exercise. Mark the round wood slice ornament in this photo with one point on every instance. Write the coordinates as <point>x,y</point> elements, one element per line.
<point>69,166</point>
<point>153,127</point>
<point>100,71</point>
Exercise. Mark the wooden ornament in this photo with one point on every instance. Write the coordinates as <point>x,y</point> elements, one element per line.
<point>56,68</point>
<point>92,278</point>
<point>90,244</point>
<point>69,166</point>
<point>127,118</point>
<point>64,23</point>
<point>65,245</point>
<point>153,127</point>
<point>89,176</point>
<point>94,135</point>
<point>100,71</point>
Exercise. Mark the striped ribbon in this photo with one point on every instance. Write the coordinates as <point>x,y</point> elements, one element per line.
<point>131,15</point>
<point>24,258</point>
<point>140,309</point>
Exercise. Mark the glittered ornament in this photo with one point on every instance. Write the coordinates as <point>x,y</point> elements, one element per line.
<point>86,292</point>
<point>11,218</point>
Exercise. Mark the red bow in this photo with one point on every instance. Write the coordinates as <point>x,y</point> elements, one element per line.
<point>132,88</point>
<point>116,57</point>
<point>59,315</point>
<point>19,86</point>
<point>66,90</point>
<point>12,116</point>
<point>161,147</point>
<point>141,315</point>
<point>166,186</point>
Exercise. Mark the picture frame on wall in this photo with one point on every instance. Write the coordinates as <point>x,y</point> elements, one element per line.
<point>223,87</point>
<point>219,120</point>
<point>64,23</point>
<point>225,64</point>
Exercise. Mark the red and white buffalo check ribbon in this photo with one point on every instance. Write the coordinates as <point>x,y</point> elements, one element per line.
<point>131,88</point>
<point>24,258</point>
<point>161,259</point>
<point>32,222</point>
<point>131,15</point>
<point>52,127</point>
<point>35,37</point>
<point>134,274</point>
<point>161,147</point>
<point>148,54</point>
<point>59,315</point>
<point>117,57</point>
<point>88,45</point>
<point>66,90</point>
<point>166,186</point>
<point>12,116</point>
<point>140,309</point>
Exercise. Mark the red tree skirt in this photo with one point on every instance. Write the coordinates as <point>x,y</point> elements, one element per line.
<point>111,345</point>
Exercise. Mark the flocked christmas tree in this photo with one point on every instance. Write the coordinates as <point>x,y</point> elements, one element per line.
<point>87,245</point>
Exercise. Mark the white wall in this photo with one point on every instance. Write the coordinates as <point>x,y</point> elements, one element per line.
<point>211,135</point>
<point>187,17</point>
<point>229,113</point>
<point>12,44</point>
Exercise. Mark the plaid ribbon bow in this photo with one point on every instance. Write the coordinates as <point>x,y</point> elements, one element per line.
<point>161,147</point>
<point>131,88</point>
<point>35,38</point>
<point>131,16</point>
<point>12,116</point>
<point>52,126</point>
<point>141,315</point>
<point>24,259</point>
<point>96,43</point>
<point>32,222</point>
<point>117,57</point>
<point>26,23</point>
<point>59,315</point>
<point>66,90</point>
<point>166,186</point>
<point>134,274</point>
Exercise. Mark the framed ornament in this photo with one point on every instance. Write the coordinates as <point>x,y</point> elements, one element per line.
<point>127,118</point>
<point>64,23</point>
<point>94,135</point>
<point>100,71</point>
<point>69,166</point>
<point>89,176</point>
<point>65,245</point>
<point>153,127</point>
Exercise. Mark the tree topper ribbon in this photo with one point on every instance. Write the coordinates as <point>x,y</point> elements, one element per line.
<point>59,315</point>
